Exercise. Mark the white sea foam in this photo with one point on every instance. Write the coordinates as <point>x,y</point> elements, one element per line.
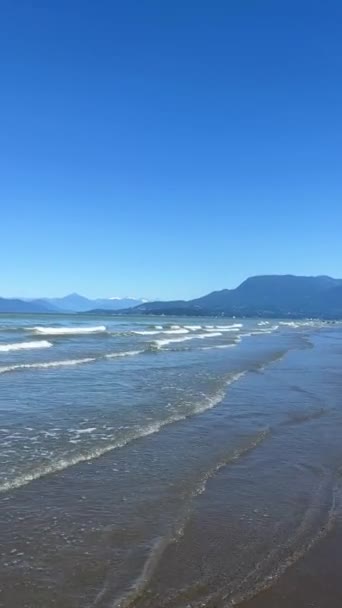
<point>178,330</point>
<point>66,462</point>
<point>46,365</point>
<point>260,332</point>
<point>152,332</point>
<point>147,332</point>
<point>218,346</point>
<point>165,342</point>
<point>67,362</point>
<point>269,330</point>
<point>233,327</point>
<point>128,353</point>
<point>193,327</point>
<point>5,348</point>
<point>68,331</point>
<point>222,329</point>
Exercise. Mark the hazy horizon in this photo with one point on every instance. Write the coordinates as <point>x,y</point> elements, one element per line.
<point>142,298</point>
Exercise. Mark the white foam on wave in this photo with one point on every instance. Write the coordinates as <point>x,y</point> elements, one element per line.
<point>219,346</point>
<point>147,332</point>
<point>5,348</point>
<point>224,328</point>
<point>166,342</point>
<point>152,332</point>
<point>46,365</point>
<point>128,353</point>
<point>67,362</point>
<point>260,332</point>
<point>68,331</point>
<point>178,330</point>
<point>269,330</point>
<point>66,462</point>
<point>193,327</point>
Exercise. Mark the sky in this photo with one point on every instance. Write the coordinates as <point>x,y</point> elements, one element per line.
<point>168,149</point>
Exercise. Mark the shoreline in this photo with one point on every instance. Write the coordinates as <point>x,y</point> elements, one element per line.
<point>314,581</point>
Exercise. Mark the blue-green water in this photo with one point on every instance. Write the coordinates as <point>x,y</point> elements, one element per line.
<point>162,461</point>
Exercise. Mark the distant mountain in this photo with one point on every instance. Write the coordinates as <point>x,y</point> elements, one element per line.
<point>260,296</point>
<point>77,303</point>
<point>264,296</point>
<point>71,303</point>
<point>12,305</point>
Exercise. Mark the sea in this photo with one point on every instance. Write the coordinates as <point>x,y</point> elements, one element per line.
<point>164,462</point>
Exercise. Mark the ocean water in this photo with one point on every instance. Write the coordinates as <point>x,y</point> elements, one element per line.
<point>163,462</point>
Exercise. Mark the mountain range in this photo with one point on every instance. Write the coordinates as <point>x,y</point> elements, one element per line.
<point>260,296</point>
<point>70,303</point>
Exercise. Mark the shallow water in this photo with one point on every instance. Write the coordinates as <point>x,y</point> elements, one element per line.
<point>163,461</point>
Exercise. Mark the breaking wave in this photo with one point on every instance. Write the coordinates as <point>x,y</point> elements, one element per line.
<point>67,331</point>
<point>166,342</point>
<point>5,348</point>
<point>63,463</point>
<point>45,365</point>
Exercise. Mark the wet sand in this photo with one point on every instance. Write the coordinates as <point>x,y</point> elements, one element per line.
<point>315,581</point>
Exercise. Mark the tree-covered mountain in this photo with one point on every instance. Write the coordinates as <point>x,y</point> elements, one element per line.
<point>264,296</point>
<point>14,305</point>
<point>269,295</point>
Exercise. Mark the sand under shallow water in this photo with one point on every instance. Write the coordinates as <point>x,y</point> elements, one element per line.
<point>190,467</point>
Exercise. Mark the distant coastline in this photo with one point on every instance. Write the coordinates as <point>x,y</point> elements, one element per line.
<point>268,296</point>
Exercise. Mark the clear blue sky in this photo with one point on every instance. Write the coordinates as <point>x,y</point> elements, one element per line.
<point>166,148</point>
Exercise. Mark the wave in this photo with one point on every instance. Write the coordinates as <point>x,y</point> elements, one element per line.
<point>46,365</point>
<point>5,348</point>
<point>299,417</point>
<point>65,462</point>
<point>289,324</point>
<point>147,332</point>
<point>67,362</point>
<point>259,332</point>
<point>128,353</point>
<point>220,346</point>
<point>166,342</point>
<point>12,328</point>
<point>179,330</point>
<point>223,328</point>
<point>152,332</point>
<point>177,530</point>
<point>236,455</point>
<point>67,331</point>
